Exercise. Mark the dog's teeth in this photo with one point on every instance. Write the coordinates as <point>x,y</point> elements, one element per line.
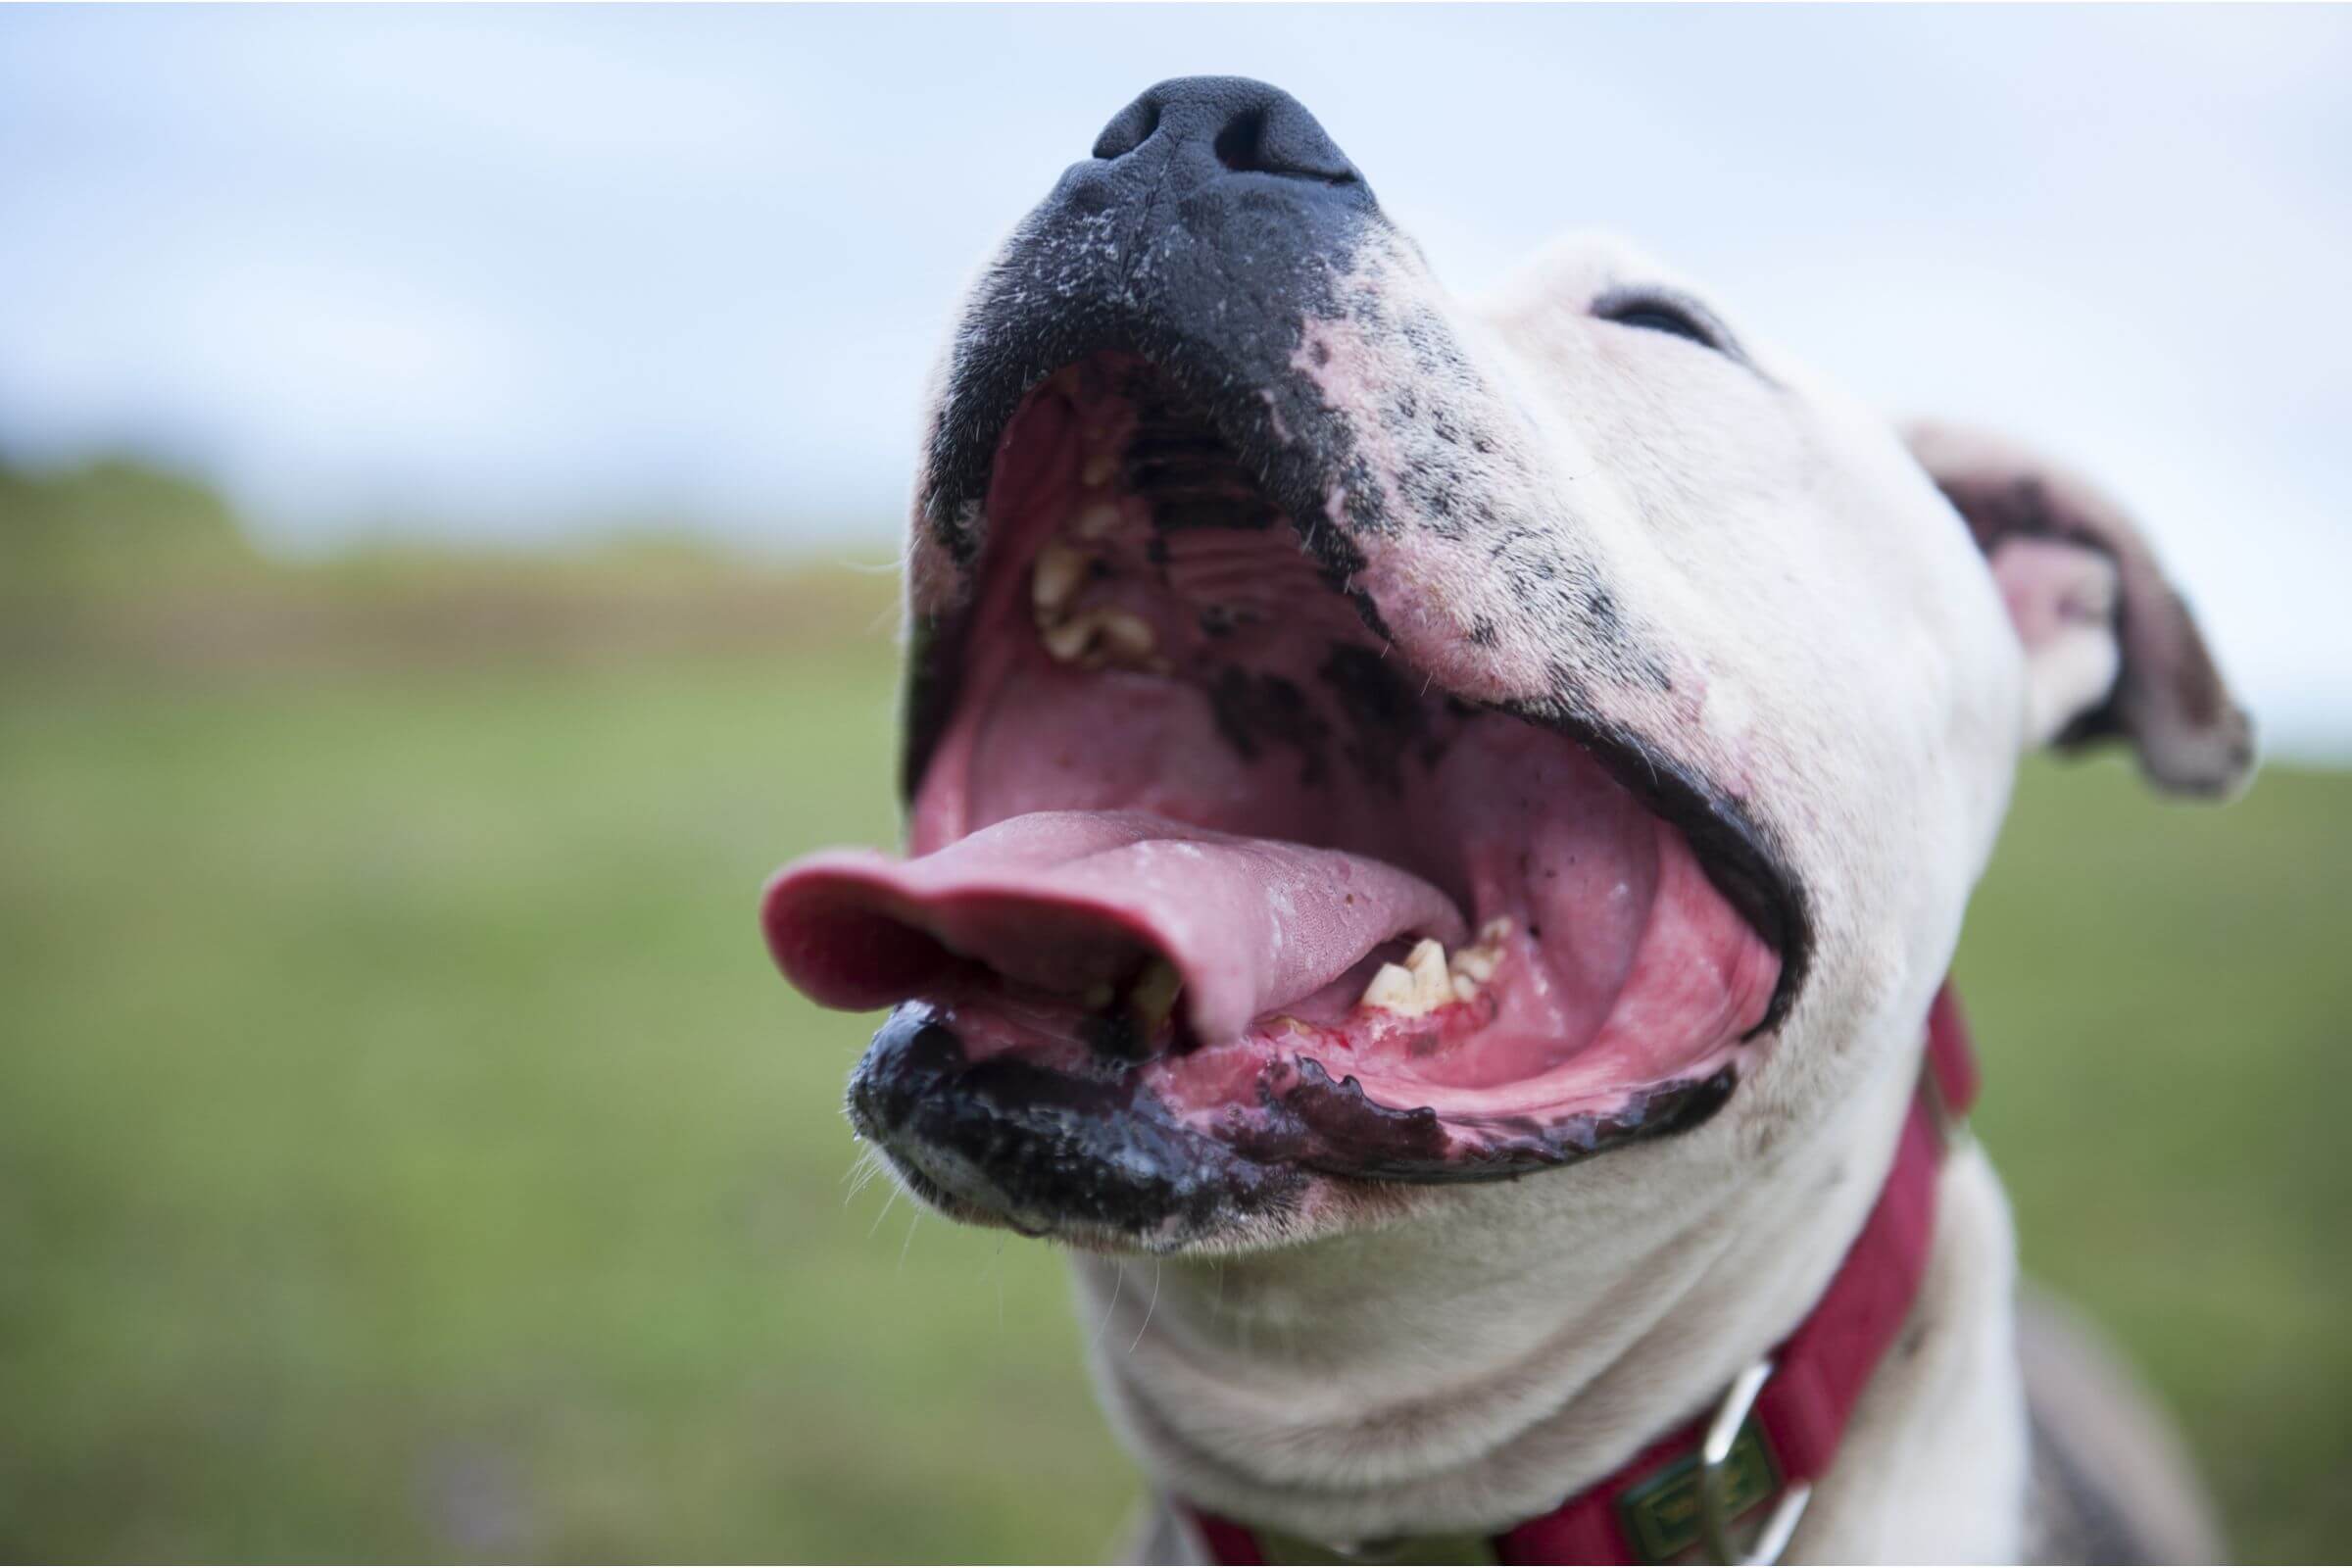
<point>1060,568</point>
<point>1391,990</point>
<point>1420,984</point>
<point>1098,470</point>
<point>1096,520</point>
<point>1103,635</point>
<point>1478,962</point>
<point>1127,637</point>
<point>1432,987</point>
<point>1474,965</point>
<point>1065,640</point>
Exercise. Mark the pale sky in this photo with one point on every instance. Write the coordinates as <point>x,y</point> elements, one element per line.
<point>509,273</point>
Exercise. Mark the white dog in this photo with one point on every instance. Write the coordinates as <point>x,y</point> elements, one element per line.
<point>1444,825</point>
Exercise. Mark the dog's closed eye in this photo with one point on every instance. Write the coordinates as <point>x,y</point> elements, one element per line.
<point>1654,310</point>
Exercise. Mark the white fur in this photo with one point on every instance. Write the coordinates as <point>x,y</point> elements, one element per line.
<point>1837,654</point>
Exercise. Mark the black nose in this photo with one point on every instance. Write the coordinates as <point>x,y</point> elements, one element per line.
<point>1208,127</point>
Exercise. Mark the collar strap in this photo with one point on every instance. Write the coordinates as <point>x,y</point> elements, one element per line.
<point>1778,1427</point>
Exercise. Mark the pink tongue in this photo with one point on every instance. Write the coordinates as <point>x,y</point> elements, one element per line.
<point>1067,901</point>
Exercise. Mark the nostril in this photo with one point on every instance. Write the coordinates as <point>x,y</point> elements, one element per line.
<point>1130,129</point>
<point>1278,137</point>
<point>1240,145</point>
<point>1212,125</point>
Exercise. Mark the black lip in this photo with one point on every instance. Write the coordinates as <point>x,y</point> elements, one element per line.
<point>1048,1151</point>
<point>1334,1127</point>
<point>1100,1158</point>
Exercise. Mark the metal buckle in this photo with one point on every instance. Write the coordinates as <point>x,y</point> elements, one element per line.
<point>1715,1481</point>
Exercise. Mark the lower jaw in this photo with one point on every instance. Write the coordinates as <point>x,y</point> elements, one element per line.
<point>1334,1127</point>
<point>1043,1152</point>
<point>1101,1157</point>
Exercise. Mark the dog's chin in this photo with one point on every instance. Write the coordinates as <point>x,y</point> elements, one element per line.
<point>1092,1162</point>
<point>1225,924</point>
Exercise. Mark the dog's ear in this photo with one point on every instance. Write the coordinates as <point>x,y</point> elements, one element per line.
<point>2111,651</point>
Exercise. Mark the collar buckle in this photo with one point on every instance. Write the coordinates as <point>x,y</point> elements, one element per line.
<point>1716,1474</point>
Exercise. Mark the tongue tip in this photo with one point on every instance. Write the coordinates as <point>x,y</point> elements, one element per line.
<point>831,929</point>
<point>849,933</point>
<point>858,929</point>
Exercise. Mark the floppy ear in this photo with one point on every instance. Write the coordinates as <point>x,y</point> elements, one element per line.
<point>2110,648</point>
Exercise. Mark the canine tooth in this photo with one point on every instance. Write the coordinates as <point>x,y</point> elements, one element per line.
<point>1098,470</point>
<point>1391,990</point>
<point>1465,988</point>
<point>1097,519</point>
<point>1060,568</point>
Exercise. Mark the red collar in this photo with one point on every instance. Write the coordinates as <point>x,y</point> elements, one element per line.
<point>1777,1428</point>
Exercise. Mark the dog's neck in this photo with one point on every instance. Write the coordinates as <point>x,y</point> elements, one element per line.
<point>1467,1369</point>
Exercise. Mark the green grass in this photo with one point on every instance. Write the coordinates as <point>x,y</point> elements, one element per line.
<point>2163,994</point>
<point>407,1151</point>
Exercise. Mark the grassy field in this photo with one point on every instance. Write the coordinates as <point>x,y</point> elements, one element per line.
<point>406,1150</point>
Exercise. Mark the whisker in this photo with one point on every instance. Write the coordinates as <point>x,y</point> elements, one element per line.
<point>1116,1286</point>
<point>1158,1266</point>
<point>861,1173</point>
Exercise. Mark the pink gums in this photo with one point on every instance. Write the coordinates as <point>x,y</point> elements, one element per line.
<point>1271,803</point>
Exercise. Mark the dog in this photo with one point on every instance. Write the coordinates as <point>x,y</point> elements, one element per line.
<point>1444,826</point>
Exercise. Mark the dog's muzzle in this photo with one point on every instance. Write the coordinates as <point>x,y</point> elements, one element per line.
<point>1218,887</point>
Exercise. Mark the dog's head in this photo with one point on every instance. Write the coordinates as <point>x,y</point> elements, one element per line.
<point>1359,743</point>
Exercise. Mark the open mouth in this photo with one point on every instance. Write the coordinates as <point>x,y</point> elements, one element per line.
<point>1198,847</point>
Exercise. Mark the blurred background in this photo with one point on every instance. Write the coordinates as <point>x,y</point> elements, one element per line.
<point>450,464</point>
